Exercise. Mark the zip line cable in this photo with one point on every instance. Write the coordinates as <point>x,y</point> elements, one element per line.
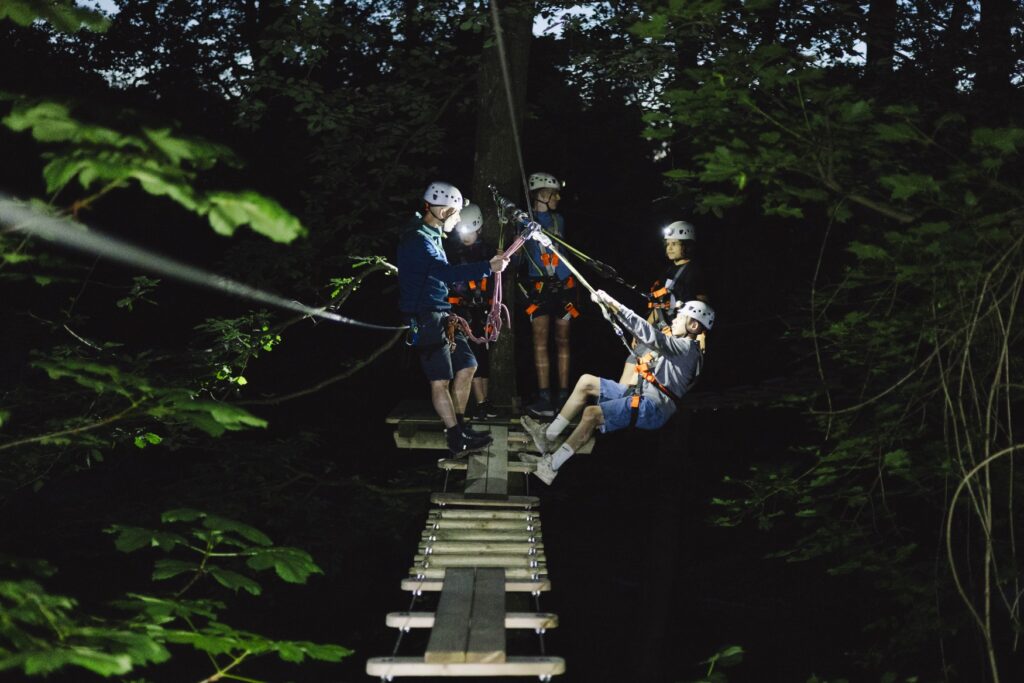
<point>17,217</point>
<point>507,80</point>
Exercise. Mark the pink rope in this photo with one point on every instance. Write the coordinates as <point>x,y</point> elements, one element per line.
<point>492,329</point>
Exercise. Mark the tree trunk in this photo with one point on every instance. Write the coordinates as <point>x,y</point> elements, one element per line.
<point>497,162</point>
<point>995,55</point>
<point>881,40</point>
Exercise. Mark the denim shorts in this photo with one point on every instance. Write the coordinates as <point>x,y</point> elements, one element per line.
<point>614,404</point>
<point>439,362</point>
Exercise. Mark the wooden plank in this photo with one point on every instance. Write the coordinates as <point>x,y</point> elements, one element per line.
<point>493,548</point>
<point>385,667</point>
<point>463,499</point>
<point>433,585</point>
<point>481,535</point>
<point>513,620</point>
<point>446,560</point>
<point>517,573</point>
<point>462,513</point>
<point>505,524</point>
<point>449,637</point>
<point>431,438</point>
<point>487,619</point>
<point>457,465</point>
<point>487,473</point>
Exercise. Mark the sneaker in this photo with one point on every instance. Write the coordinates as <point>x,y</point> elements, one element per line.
<point>484,410</point>
<point>545,472</point>
<point>536,431</point>
<point>471,433</point>
<point>456,442</point>
<point>529,459</point>
<point>476,441</point>
<point>541,407</point>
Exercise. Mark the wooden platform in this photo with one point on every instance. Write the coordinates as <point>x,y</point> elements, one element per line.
<point>386,667</point>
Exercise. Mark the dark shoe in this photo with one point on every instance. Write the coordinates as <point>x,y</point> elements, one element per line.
<point>469,432</point>
<point>484,410</point>
<point>541,407</point>
<point>456,441</point>
<point>477,440</point>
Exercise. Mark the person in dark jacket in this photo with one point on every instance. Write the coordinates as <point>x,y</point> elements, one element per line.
<point>472,299</point>
<point>423,277</point>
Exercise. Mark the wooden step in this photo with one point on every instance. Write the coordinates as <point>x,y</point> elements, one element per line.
<point>480,548</point>
<point>462,499</point>
<point>512,585</point>
<point>514,620</point>
<point>385,667</point>
<point>506,561</point>
<point>440,524</point>
<point>457,513</point>
<point>470,621</point>
<point>458,464</point>
<point>520,573</point>
<point>481,535</point>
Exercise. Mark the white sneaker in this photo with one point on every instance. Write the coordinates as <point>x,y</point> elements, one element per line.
<point>545,472</point>
<point>529,459</point>
<point>537,432</point>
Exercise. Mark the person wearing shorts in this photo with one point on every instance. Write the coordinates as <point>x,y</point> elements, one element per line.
<point>661,377</point>
<point>424,274</point>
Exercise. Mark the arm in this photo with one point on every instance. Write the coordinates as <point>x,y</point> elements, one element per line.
<point>641,329</point>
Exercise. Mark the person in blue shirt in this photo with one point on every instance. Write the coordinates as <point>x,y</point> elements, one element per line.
<point>551,293</point>
<point>423,278</point>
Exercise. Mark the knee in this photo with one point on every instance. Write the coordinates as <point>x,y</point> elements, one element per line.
<point>465,373</point>
<point>590,383</point>
<point>591,414</point>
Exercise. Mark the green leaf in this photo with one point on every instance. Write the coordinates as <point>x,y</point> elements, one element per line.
<point>181,515</point>
<point>167,568</point>
<point>867,252</point>
<point>233,580</point>
<point>244,530</point>
<point>898,459</point>
<point>1006,141</point>
<point>291,564</point>
<point>63,15</point>
<point>905,186</point>
<point>231,210</point>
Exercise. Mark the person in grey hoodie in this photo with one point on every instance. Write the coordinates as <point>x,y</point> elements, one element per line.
<point>664,373</point>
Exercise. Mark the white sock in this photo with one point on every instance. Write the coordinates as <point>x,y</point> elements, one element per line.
<point>556,427</point>
<point>559,457</point>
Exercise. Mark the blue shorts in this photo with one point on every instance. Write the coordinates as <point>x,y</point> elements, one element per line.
<point>614,404</point>
<point>439,362</point>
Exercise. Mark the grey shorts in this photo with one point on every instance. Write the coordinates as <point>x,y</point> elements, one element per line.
<point>439,362</point>
<point>614,404</point>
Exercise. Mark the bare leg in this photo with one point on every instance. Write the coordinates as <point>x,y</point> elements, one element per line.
<point>480,389</point>
<point>592,419</point>
<point>541,325</point>
<point>460,388</point>
<point>441,397</point>
<point>588,386</point>
<point>628,374</point>
<point>562,348</point>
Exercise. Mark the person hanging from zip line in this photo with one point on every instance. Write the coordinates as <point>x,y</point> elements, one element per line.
<point>683,281</point>
<point>423,277</point>
<point>551,294</point>
<point>661,377</point>
<point>472,299</point>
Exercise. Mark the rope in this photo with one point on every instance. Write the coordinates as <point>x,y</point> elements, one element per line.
<point>506,79</point>
<point>63,231</point>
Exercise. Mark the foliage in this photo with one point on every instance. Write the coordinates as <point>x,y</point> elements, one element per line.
<point>912,319</point>
<point>44,632</point>
<point>64,15</point>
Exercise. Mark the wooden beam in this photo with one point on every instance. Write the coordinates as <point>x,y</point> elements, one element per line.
<point>443,560</point>
<point>384,667</point>
<point>449,637</point>
<point>513,620</point>
<point>456,513</point>
<point>518,573</point>
<point>481,535</point>
<point>487,473</point>
<point>468,500</point>
<point>459,464</point>
<point>512,585</point>
<point>467,547</point>
<point>487,620</point>
<point>503,524</point>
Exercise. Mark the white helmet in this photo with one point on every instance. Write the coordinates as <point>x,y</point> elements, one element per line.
<point>470,219</point>
<point>539,181</point>
<point>699,311</point>
<point>680,230</point>
<point>443,194</point>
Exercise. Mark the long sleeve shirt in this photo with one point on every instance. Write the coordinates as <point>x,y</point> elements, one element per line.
<point>424,272</point>
<point>677,363</point>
